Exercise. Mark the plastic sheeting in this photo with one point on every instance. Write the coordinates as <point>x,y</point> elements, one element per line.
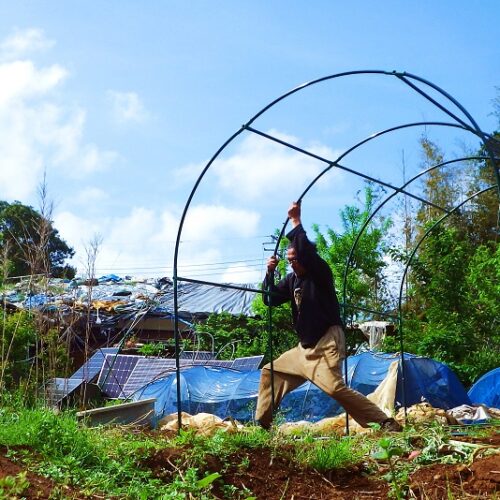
<point>486,390</point>
<point>219,391</point>
<point>226,393</point>
<point>114,296</point>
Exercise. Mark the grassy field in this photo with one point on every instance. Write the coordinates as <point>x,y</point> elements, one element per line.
<point>48,455</point>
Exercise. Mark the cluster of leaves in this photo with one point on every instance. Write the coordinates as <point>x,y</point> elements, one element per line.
<point>456,305</point>
<point>249,335</point>
<point>13,487</point>
<point>29,244</point>
<point>451,309</point>
<point>30,351</point>
<point>91,460</point>
<point>18,336</point>
<point>360,271</point>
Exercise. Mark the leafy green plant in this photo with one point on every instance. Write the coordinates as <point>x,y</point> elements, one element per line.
<point>17,336</point>
<point>365,285</point>
<point>389,451</point>
<point>153,349</point>
<point>14,486</point>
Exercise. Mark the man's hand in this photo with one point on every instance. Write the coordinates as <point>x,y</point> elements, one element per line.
<point>272,262</point>
<point>294,213</point>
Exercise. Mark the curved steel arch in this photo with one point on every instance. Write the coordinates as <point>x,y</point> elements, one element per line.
<point>406,78</point>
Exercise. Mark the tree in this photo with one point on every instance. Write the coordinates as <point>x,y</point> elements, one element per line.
<point>366,286</point>
<point>483,213</point>
<point>31,244</point>
<point>451,311</point>
<point>458,292</point>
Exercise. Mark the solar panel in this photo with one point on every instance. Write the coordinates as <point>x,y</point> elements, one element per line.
<point>115,373</point>
<point>59,388</point>
<point>124,374</point>
<point>248,363</point>
<point>93,365</point>
<point>219,363</point>
<point>196,355</point>
<point>145,371</point>
<point>149,369</point>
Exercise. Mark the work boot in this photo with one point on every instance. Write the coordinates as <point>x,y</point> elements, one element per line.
<point>391,425</point>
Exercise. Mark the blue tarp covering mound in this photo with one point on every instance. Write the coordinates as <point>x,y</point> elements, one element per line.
<point>232,393</point>
<point>486,390</point>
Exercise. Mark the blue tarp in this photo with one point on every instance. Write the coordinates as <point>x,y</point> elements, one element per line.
<point>486,390</point>
<point>226,392</point>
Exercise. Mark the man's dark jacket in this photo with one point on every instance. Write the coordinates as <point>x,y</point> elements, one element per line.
<point>319,307</point>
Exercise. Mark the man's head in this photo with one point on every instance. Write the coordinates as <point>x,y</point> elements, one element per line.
<point>297,267</point>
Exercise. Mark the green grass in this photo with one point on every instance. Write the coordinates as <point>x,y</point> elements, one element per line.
<point>328,454</point>
<point>93,460</point>
<point>107,460</point>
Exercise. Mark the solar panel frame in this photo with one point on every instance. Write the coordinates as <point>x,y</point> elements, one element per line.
<point>91,368</point>
<point>115,372</point>
<point>247,363</point>
<point>59,388</point>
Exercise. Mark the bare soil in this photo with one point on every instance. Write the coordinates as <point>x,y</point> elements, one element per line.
<point>273,477</point>
<point>276,477</point>
<point>39,486</point>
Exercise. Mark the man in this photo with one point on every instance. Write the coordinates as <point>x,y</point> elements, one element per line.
<point>316,318</point>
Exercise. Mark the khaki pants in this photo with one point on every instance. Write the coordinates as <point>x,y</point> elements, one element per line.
<point>321,365</point>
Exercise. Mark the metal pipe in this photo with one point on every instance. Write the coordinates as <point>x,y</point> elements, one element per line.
<point>410,259</point>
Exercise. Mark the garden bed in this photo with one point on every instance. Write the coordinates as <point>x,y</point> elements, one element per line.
<point>43,455</point>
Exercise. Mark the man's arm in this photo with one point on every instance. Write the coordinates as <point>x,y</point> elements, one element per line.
<point>280,292</point>
<point>306,251</point>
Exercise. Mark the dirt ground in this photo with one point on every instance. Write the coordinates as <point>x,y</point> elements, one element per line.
<point>276,477</point>
<point>39,487</point>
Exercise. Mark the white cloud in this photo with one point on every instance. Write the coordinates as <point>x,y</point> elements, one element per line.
<point>21,81</point>
<point>22,42</point>
<point>127,106</point>
<point>204,222</point>
<point>260,165</point>
<point>36,132</point>
<point>141,242</point>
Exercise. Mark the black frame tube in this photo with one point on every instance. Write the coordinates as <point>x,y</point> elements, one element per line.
<point>406,78</point>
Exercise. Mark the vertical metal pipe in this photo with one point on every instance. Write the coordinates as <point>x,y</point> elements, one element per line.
<point>405,272</point>
<point>270,347</point>
<point>175,274</point>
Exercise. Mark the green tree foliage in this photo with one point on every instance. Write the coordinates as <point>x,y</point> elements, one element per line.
<point>451,309</point>
<point>458,288</point>
<point>366,285</point>
<point>482,215</point>
<point>18,335</point>
<point>250,334</point>
<point>441,186</point>
<point>29,244</point>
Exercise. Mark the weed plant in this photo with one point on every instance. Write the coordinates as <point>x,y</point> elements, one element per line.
<point>110,460</point>
<point>328,454</point>
<point>94,460</point>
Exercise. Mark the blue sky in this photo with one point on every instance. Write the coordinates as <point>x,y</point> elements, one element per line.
<point>122,103</point>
